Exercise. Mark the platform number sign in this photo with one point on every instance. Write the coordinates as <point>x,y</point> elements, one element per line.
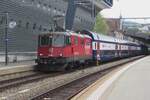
<point>12,24</point>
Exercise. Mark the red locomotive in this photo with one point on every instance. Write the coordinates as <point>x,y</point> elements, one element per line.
<point>61,50</point>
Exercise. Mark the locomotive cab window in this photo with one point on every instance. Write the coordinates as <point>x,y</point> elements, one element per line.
<point>55,40</point>
<point>58,40</point>
<point>45,40</point>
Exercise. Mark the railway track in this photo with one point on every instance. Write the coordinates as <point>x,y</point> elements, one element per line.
<point>37,85</point>
<point>14,82</point>
<point>68,91</point>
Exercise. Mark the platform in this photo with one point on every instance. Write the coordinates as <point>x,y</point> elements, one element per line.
<point>132,82</point>
<point>16,67</point>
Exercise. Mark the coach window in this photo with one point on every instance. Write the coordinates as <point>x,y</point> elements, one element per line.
<point>95,45</point>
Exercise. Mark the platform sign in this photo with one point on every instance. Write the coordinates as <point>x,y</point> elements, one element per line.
<point>12,24</point>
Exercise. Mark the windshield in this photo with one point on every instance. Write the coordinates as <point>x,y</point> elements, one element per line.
<point>58,40</point>
<point>45,40</point>
<point>52,40</point>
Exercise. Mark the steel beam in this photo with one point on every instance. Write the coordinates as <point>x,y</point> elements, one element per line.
<point>70,15</point>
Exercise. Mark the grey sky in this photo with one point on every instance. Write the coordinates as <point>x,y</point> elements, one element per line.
<point>129,8</point>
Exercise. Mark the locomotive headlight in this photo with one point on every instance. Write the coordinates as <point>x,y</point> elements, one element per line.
<point>41,54</point>
<point>61,55</point>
